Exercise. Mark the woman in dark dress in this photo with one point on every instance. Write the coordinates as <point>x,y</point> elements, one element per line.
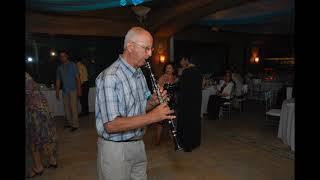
<point>189,106</point>
<point>166,81</point>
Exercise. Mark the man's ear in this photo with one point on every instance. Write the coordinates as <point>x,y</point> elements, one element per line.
<point>129,47</point>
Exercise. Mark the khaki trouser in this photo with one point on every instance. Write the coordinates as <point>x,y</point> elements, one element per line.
<point>70,102</point>
<point>121,160</point>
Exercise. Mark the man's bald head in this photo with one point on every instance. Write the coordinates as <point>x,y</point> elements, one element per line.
<point>134,35</point>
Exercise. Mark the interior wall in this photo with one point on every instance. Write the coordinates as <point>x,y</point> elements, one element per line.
<point>239,43</point>
<point>209,57</point>
<point>205,43</point>
<point>97,53</point>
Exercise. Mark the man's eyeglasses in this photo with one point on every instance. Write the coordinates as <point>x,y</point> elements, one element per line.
<point>144,47</point>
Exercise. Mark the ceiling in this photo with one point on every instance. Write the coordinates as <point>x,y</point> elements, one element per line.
<point>79,5</point>
<point>166,17</point>
<point>263,16</point>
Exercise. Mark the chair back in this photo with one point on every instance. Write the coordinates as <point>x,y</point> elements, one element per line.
<point>233,92</point>
<point>244,89</point>
<point>268,100</point>
<point>256,84</point>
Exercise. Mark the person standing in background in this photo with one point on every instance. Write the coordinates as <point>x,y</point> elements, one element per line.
<point>92,71</point>
<point>168,78</point>
<point>84,86</point>
<point>189,105</point>
<point>41,133</point>
<point>68,75</point>
<point>181,67</point>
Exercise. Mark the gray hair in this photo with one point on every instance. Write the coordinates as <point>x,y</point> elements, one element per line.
<point>131,35</point>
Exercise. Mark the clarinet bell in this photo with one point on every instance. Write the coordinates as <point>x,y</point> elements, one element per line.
<point>178,148</point>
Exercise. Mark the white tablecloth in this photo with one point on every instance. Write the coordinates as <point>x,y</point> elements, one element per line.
<point>206,93</point>
<point>289,92</point>
<point>56,106</point>
<point>287,123</point>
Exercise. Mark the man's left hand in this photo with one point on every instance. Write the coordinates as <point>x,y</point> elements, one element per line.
<point>154,99</point>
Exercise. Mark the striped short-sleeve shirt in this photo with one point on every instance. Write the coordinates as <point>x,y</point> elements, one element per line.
<point>121,91</point>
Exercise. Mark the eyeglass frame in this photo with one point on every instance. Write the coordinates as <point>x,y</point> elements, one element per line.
<point>146,49</point>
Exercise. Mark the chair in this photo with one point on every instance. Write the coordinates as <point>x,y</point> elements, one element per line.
<point>256,91</point>
<point>269,110</point>
<point>227,106</point>
<point>243,97</point>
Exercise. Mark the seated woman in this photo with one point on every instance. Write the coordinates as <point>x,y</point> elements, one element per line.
<point>41,136</point>
<point>166,80</point>
<point>225,89</point>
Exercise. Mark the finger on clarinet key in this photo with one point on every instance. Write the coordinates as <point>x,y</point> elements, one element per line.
<point>164,92</point>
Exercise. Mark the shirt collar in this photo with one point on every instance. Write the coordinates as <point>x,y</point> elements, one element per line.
<point>65,64</point>
<point>128,68</point>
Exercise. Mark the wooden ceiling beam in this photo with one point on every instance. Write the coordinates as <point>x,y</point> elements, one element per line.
<point>76,25</point>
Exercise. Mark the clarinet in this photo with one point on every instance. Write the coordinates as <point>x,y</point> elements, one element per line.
<point>172,127</point>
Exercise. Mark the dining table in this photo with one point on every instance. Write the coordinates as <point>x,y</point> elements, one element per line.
<point>56,106</point>
<point>286,130</point>
<point>206,93</point>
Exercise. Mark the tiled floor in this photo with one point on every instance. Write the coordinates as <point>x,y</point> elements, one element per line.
<point>237,149</point>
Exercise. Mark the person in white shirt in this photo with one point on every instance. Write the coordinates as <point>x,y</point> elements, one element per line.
<point>238,80</point>
<point>84,87</point>
<point>225,90</point>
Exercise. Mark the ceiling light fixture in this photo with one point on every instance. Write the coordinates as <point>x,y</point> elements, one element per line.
<point>141,12</point>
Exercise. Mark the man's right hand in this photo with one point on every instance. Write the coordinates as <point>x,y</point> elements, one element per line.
<point>161,112</point>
